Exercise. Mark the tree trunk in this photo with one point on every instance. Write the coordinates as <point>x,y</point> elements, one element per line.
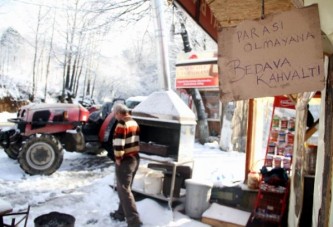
<point>199,105</point>
<point>34,80</point>
<point>239,126</point>
<point>49,59</point>
<point>202,117</point>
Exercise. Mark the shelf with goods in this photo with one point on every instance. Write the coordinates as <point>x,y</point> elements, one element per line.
<point>213,107</point>
<point>280,145</point>
<point>212,104</point>
<point>273,192</point>
<point>271,203</point>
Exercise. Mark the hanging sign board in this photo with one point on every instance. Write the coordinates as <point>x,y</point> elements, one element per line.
<point>283,102</point>
<point>281,54</point>
<point>197,70</point>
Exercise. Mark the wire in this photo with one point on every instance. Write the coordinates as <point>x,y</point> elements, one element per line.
<point>262,9</point>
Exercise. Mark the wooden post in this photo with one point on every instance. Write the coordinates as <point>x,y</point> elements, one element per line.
<point>324,214</point>
<point>249,140</point>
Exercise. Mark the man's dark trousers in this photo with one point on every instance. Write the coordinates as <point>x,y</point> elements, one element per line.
<point>125,173</point>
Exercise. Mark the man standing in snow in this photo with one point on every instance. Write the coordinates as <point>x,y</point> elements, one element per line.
<point>126,152</point>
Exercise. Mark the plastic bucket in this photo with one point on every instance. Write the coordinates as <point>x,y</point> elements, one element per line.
<point>153,182</point>
<point>139,179</point>
<point>54,219</point>
<point>197,197</point>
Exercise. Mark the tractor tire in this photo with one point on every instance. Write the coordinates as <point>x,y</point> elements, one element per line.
<point>13,150</point>
<point>41,155</point>
<point>14,146</point>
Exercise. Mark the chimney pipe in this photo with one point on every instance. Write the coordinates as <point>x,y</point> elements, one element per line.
<point>162,35</point>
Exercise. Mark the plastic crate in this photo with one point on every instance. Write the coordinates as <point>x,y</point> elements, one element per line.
<point>271,203</point>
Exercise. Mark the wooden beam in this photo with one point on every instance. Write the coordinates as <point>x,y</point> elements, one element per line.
<point>311,130</point>
<point>324,214</point>
<point>249,139</point>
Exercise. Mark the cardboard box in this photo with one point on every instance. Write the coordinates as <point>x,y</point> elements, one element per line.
<point>222,216</point>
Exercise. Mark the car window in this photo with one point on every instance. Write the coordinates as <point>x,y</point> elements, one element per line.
<point>132,104</point>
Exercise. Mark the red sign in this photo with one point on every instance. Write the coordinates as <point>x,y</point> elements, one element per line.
<point>283,102</point>
<point>197,70</point>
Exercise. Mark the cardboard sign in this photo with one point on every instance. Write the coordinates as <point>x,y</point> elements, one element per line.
<point>281,54</point>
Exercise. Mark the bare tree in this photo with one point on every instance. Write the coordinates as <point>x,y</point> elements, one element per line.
<point>33,92</point>
<point>73,45</point>
<point>39,51</point>
<point>49,58</point>
<point>197,99</point>
<point>87,21</point>
<point>10,44</point>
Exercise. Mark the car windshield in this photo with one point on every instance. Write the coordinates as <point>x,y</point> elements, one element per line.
<point>132,104</point>
<point>134,101</point>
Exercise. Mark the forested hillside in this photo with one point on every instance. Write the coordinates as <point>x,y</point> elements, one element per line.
<point>98,49</point>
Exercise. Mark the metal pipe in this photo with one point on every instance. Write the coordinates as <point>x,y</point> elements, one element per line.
<point>162,35</point>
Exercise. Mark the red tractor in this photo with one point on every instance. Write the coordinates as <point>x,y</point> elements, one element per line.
<point>43,131</point>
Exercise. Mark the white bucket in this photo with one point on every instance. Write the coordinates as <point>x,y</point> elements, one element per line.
<point>153,182</point>
<point>197,197</point>
<point>139,179</point>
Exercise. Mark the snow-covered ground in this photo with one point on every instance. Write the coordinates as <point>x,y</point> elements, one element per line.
<point>81,187</point>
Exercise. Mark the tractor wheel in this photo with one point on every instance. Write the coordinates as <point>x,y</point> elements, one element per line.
<point>13,150</point>
<point>41,155</point>
<point>15,144</point>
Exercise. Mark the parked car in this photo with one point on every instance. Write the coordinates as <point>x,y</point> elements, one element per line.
<point>104,107</point>
<point>132,102</point>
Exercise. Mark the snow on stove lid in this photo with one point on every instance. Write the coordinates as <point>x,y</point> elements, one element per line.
<point>165,106</point>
